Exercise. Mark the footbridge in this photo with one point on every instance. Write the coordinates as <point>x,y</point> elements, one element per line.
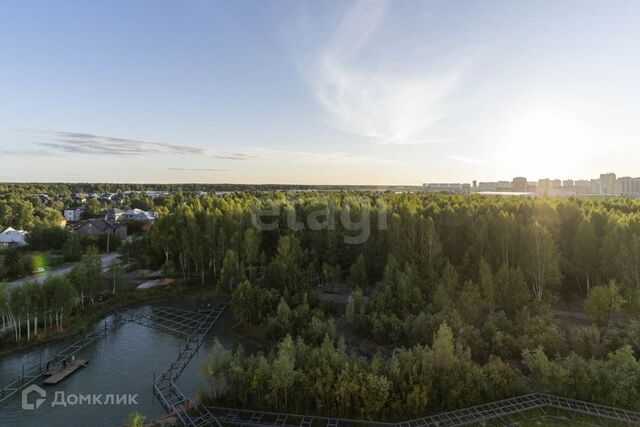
<point>175,321</point>
<point>505,412</point>
<point>164,385</point>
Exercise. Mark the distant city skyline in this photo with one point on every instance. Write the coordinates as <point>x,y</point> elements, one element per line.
<point>608,183</point>
<point>299,92</point>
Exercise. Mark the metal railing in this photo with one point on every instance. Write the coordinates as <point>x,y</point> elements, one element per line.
<point>164,387</point>
<point>35,372</point>
<point>475,415</point>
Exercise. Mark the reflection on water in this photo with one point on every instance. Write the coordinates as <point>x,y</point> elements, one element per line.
<point>124,362</point>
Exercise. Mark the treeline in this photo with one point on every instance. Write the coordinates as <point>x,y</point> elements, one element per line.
<point>27,213</point>
<point>69,188</point>
<point>412,382</point>
<point>562,248</point>
<point>27,308</point>
<point>325,379</point>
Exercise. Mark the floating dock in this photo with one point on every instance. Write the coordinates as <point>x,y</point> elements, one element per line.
<point>56,376</point>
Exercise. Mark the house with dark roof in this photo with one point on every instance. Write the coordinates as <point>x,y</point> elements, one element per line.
<point>100,227</point>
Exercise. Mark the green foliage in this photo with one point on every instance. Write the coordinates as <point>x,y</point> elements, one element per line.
<point>42,239</point>
<point>135,420</point>
<point>87,276</point>
<point>325,379</point>
<point>443,348</point>
<point>115,276</point>
<point>72,249</point>
<point>355,310</point>
<point>27,308</point>
<point>358,277</point>
<point>604,302</point>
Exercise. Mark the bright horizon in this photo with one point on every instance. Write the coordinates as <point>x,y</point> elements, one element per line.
<point>358,93</point>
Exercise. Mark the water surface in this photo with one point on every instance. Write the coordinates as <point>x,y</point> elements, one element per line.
<point>123,362</point>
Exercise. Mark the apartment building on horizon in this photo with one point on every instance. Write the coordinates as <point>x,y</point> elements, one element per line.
<point>605,184</point>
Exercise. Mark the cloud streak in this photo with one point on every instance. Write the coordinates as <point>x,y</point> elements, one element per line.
<point>199,169</point>
<point>27,152</point>
<point>93,144</point>
<point>236,156</point>
<point>59,142</point>
<point>392,102</point>
<point>53,143</point>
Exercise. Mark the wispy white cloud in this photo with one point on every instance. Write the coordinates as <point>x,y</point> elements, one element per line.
<point>55,143</point>
<point>24,152</point>
<point>394,101</point>
<point>199,170</point>
<point>236,156</point>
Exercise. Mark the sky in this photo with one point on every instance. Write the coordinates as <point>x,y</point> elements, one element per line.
<point>318,92</point>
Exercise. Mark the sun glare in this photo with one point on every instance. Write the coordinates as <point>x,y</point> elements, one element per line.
<point>545,142</point>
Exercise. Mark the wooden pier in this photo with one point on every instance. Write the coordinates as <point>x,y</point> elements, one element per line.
<point>62,373</point>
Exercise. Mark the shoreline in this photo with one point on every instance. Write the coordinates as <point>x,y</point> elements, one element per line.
<point>102,310</point>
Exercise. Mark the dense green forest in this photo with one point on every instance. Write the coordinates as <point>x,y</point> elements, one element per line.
<point>459,296</point>
<point>449,300</point>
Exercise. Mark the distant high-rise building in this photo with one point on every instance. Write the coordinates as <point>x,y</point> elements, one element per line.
<point>452,187</point>
<point>582,186</point>
<point>608,183</point>
<point>488,186</point>
<point>628,185</point>
<point>544,186</point>
<point>504,186</point>
<point>519,184</point>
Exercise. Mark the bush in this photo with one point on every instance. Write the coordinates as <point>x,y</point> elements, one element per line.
<point>44,239</point>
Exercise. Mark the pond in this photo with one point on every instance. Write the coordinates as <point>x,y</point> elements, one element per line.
<point>122,363</point>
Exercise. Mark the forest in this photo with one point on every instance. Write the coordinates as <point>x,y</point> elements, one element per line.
<point>462,299</point>
<point>448,300</point>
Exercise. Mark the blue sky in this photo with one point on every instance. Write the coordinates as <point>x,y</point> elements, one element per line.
<point>360,92</point>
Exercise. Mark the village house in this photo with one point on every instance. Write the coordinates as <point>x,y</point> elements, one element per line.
<point>100,227</point>
<point>144,219</point>
<point>139,215</point>
<point>113,215</point>
<point>10,238</point>
<point>74,214</point>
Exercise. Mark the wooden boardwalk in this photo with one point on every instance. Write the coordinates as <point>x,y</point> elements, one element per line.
<point>63,373</point>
